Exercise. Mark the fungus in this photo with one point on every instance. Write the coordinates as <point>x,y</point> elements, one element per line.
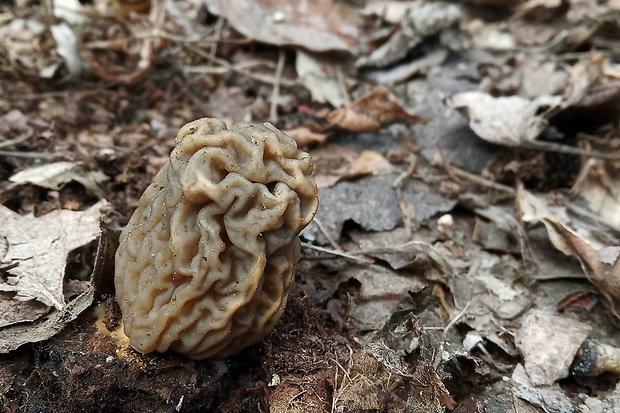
<point>205,264</point>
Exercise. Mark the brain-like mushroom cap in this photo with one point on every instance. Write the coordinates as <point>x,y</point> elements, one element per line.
<point>205,264</point>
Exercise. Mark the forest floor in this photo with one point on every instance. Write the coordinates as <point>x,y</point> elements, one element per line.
<point>465,255</point>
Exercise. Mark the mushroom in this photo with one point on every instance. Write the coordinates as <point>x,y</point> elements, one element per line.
<point>205,264</point>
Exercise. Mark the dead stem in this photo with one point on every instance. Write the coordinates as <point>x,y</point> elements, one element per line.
<point>481,180</point>
<point>27,155</point>
<point>275,95</point>
<point>233,68</point>
<point>591,216</point>
<point>323,230</point>
<point>570,150</point>
<point>343,86</point>
<point>406,209</point>
<point>442,153</point>
<point>333,252</point>
<point>219,26</point>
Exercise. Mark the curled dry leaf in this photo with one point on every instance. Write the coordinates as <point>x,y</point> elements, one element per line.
<point>418,23</point>
<point>598,184</point>
<point>26,47</point>
<point>600,263</point>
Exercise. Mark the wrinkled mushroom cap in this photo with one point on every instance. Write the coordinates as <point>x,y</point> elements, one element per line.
<point>205,264</point>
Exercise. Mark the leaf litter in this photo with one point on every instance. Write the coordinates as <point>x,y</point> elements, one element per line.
<point>466,251</point>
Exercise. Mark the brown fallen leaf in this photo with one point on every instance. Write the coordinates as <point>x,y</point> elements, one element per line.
<point>304,136</point>
<point>368,163</point>
<point>369,113</point>
<point>330,163</point>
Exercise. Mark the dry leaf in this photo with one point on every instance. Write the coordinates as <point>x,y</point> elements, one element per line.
<point>321,25</point>
<point>548,344</point>
<point>418,23</point>
<point>506,120</point>
<point>56,175</point>
<point>368,163</point>
<point>304,136</point>
<point>598,184</point>
<point>330,163</point>
<point>13,311</point>
<point>370,113</point>
<point>391,11</point>
<point>320,78</point>
<point>40,245</point>
<point>600,263</point>
<point>551,398</point>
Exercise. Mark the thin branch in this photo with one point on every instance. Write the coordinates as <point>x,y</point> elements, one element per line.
<point>482,181</point>
<point>343,85</point>
<point>570,150</point>
<point>15,141</point>
<point>275,95</point>
<point>333,252</point>
<point>322,228</point>
<point>219,25</point>
<point>255,76</point>
<point>27,155</point>
<point>442,153</point>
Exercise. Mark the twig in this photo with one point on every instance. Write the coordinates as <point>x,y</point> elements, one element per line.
<point>570,150</point>
<point>591,216</point>
<point>385,250</point>
<point>98,91</point>
<point>224,63</point>
<point>27,155</point>
<point>482,181</point>
<point>219,25</point>
<point>333,252</point>
<point>15,141</point>
<point>275,94</point>
<point>332,242</point>
<point>442,153</point>
<point>406,209</point>
<point>198,39</point>
<point>456,318</point>
<point>343,86</point>
<point>218,70</point>
<point>402,178</point>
